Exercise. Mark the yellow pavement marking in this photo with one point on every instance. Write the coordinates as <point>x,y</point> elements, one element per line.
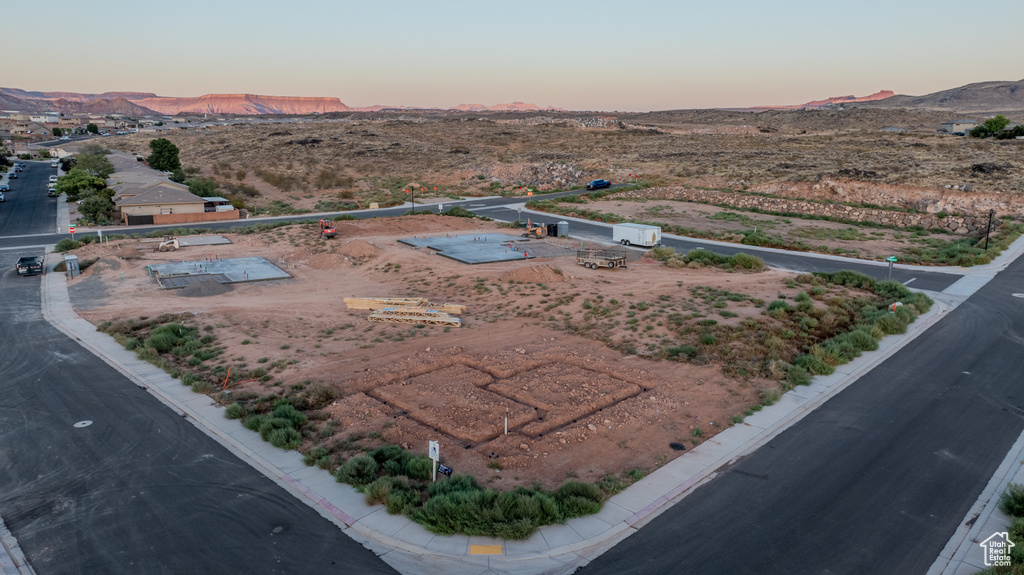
<point>485,549</point>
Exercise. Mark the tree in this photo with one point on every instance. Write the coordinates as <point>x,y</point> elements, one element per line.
<point>57,132</point>
<point>78,183</point>
<point>996,124</point>
<point>202,187</point>
<point>96,164</point>
<point>92,128</point>
<point>164,156</point>
<point>96,207</point>
<point>991,127</point>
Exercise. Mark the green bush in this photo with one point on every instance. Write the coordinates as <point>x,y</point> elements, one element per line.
<point>254,422</point>
<point>271,423</point>
<point>1011,502</point>
<point>681,350</point>
<point>66,245</point>
<point>285,410</point>
<point>797,375</point>
<point>285,438</point>
<point>779,304</point>
<point>705,257</point>
<point>813,365</point>
<point>747,262</point>
<point>358,471</point>
<point>236,411</point>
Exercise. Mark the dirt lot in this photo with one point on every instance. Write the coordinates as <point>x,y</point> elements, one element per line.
<point>561,349</point>
<point>358,158</point>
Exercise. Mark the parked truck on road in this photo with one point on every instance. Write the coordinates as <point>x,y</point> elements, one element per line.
<point>637,235</point>
<point>30,266</point>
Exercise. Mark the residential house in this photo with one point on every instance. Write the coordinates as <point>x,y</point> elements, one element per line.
<point>961,126</point>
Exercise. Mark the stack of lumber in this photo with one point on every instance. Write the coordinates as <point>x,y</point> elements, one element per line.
<point>415,315</point>
<point>376,303</point>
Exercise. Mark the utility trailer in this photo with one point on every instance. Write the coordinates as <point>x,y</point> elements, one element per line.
<point>637,235</point>
<point>593,259</point>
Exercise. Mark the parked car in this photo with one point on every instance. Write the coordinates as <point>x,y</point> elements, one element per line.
<point>53,179</point>
<point>13,175</point>
<point>65,138</point>
<point>1,196</point>
<point>18,168</point>
<point>51,192</point>
<point>4,188</point>
<point>598,184</point>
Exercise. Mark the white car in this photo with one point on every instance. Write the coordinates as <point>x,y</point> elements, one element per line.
<point>53,179</point>
<point>65,138</point>
<point>1,196</point>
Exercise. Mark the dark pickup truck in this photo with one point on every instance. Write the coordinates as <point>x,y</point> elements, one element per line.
<point>30,266</point>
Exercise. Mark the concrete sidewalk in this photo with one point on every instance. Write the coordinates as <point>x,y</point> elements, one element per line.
<point>410,548</point>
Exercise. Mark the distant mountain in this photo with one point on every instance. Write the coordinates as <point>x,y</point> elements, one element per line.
<point>513,107</point>
<point>117,105</point>
<point>148,104</point>
<point>243,104</point>
<point>978,97</point>
<point>815,104</point>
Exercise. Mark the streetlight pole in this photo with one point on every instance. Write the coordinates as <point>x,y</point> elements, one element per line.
<point>988,228</point>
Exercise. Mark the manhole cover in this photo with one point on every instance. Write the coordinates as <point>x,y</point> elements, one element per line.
<point>82,424</point>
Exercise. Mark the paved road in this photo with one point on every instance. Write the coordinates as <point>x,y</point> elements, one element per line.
<point>28,210</point>
<point>498,208</point>
<point>141,490</point>
<point>874,481</point>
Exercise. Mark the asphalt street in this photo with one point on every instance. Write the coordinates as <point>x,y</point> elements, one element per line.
<point>498,208</point>
<point>139,489</point>
<point>874,481</point>
<point>27,209</point>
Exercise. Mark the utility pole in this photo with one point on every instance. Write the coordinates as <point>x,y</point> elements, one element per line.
<point>989,227</point>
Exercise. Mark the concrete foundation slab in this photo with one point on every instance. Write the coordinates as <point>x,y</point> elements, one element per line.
<point>235,270</point>
<point>474,249</point>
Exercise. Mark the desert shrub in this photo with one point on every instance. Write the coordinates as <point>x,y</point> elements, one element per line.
<point>285,410</point>
<point>418,468</point>
<point>236,411</point>
<point>381,488</point>
<point>797,375</point>
<point>254,422</point>
<point>358,471</point>
<point>891,324</point>
<point>747,262</point>
<point>315,455</point>
<point>1011,502</point>
<point>681,350</point>
<point>285,438</point>
<point>814,365</point>
<point>662,253</point>
<point>271,423</point>
<point>848,278</point>
<point>708,339</point>
<point>770,395</point>
<point>705,257</point>
<point>318,395</point>
<point>779,304</point>
<point>66,245</point>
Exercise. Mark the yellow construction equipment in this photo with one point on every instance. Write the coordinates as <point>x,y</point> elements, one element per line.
<point>535,231</point>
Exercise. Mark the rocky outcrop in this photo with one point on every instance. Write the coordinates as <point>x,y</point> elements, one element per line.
<point>957,224</point>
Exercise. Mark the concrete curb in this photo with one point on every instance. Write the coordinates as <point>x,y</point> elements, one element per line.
<point>12,560</point>
<point>407,546</point>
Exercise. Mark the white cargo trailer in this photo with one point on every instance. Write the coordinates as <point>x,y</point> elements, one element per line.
<point>637,235</point>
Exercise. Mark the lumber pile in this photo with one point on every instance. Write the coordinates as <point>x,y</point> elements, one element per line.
<point>417,311</point>
<point>414,315</point>
<point>376,303</point>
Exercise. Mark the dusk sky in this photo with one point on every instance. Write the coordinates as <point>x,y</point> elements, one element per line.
<point>581,55</point>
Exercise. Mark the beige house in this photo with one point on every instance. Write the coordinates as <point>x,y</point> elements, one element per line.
<point>161,199</point>
<point>961,126</point>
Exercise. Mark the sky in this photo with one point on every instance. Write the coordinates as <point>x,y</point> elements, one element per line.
<point>606,55</point>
